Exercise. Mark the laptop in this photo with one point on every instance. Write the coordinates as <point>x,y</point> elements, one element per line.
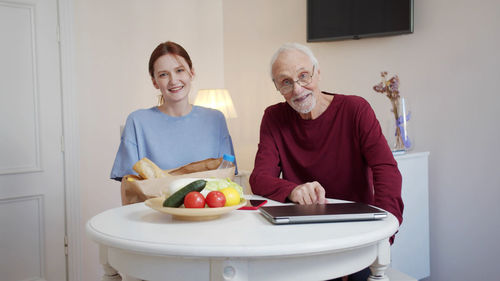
<point>333,212</point>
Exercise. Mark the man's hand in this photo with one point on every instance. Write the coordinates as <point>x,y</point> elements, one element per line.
<point>308,193</point>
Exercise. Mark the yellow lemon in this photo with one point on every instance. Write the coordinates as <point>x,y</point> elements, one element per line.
<point>232,196</point>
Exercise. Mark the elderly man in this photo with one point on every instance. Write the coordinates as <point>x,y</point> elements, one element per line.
<point>322,144</point>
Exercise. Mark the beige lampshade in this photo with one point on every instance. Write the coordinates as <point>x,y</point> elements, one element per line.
<point>217,98</point>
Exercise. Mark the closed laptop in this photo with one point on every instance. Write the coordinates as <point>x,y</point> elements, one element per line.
<point>289,214</point>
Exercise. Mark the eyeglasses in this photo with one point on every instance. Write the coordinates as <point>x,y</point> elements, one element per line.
<point>286,86</point>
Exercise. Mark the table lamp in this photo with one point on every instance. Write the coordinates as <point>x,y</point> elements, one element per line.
<point>217,98</point>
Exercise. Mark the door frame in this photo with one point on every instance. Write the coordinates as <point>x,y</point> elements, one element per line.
<point>71,140</point>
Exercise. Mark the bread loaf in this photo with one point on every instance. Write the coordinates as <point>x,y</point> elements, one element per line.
<point>198,166</point>
<point>147,169</point>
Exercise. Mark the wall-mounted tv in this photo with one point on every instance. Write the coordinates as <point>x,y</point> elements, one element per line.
<point>329,20</point>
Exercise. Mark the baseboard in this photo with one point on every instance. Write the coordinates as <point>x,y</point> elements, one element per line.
<point>395,275</point>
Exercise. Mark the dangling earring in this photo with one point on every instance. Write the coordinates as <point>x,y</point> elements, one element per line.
<point>160,100</point>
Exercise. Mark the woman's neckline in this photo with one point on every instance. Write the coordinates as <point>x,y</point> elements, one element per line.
<point>171,113</point>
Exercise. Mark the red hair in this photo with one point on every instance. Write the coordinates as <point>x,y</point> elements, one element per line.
<point>168,47</point>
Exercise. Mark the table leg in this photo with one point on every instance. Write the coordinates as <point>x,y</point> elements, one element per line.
<point>110,274</point>
<point>381,262</point>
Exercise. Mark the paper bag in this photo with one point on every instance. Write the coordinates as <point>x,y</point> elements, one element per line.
<point>135,189</point>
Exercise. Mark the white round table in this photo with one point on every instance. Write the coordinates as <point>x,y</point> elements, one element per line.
<point>242,245</point>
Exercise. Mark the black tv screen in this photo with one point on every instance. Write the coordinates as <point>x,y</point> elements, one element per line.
<point>329,20</point>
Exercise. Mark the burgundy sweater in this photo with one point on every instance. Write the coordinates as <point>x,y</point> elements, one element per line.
<point>343,149</point>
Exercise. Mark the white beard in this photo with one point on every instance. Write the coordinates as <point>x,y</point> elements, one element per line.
<point>304,106</point>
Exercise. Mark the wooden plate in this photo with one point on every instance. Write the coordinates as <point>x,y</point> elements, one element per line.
<point>192,214</point>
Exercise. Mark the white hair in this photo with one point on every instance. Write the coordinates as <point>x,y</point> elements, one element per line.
<point>293,46</point>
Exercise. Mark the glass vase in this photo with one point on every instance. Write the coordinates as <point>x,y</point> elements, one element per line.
<point>402,140</point>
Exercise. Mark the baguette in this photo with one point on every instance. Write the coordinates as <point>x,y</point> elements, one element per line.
<point>148,170</point>
<point>198,166</point>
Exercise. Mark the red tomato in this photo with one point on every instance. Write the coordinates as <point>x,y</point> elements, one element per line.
<point>216,199</point>
<point>194,199</point>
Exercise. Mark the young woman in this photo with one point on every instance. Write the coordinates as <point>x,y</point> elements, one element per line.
<point>175,132</point>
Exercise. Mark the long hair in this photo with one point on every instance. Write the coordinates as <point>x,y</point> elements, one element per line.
<point>165,48</point>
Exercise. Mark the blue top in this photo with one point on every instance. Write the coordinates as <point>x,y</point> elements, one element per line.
<point>169,141</point>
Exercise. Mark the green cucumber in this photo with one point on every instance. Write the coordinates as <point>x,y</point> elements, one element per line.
<point>176,199</point>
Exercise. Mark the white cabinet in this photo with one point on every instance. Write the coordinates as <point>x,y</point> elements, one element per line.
<point>410,251</point>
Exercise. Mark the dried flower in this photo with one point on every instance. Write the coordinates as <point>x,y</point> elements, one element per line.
<point>388,87</point>
<point>391,89</point>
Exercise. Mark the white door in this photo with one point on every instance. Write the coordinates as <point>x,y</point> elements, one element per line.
<point>32,214</point>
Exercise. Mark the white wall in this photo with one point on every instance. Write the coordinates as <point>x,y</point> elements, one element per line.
<point>447,70</point>
<point>114,40</point>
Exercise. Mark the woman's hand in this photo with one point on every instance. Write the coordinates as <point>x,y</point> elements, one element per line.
<point>308,193</point>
